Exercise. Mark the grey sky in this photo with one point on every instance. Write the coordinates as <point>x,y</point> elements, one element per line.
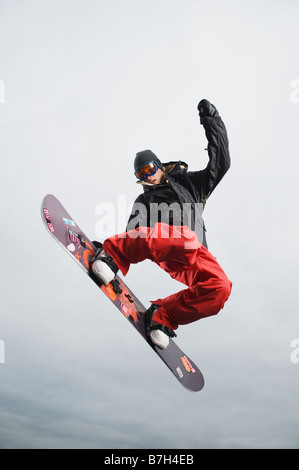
<point>86,86</point>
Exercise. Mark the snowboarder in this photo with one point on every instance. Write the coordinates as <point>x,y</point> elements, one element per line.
<point>166,226</point>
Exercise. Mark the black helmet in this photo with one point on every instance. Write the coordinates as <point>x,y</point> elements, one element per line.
<point>144,157</point>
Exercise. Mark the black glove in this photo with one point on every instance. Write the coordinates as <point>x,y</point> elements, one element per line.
<point>206,109</point>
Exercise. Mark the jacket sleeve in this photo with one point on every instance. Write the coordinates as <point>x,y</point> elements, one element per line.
<point>205,181</point>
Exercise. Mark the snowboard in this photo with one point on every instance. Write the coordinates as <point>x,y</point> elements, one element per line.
<point>67,233</point>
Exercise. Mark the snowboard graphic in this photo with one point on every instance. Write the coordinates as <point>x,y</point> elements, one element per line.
<point>68,234</point>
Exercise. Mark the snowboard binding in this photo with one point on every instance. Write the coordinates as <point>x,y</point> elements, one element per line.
<point>103,265</point>
<point>157,333</point>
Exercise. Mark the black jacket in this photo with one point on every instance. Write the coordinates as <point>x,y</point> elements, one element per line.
<point>180,198</point>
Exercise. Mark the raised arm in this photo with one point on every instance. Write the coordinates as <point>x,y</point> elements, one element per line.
<point>218,150</point>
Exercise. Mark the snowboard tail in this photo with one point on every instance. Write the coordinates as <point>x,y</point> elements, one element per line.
<point>68,234</point>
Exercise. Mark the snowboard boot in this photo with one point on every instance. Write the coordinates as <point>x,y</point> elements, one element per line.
<point>158,334</point>
<point>103,265</point>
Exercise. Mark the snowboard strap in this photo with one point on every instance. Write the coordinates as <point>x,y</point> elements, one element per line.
<point>99,249</point>
<point>152,325</point>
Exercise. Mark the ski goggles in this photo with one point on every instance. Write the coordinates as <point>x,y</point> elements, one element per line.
<point>147,169</point>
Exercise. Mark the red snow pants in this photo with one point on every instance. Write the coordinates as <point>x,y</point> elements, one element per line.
<point>178,252</point>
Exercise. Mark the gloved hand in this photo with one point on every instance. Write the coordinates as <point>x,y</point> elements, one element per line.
<point>206,109</point>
